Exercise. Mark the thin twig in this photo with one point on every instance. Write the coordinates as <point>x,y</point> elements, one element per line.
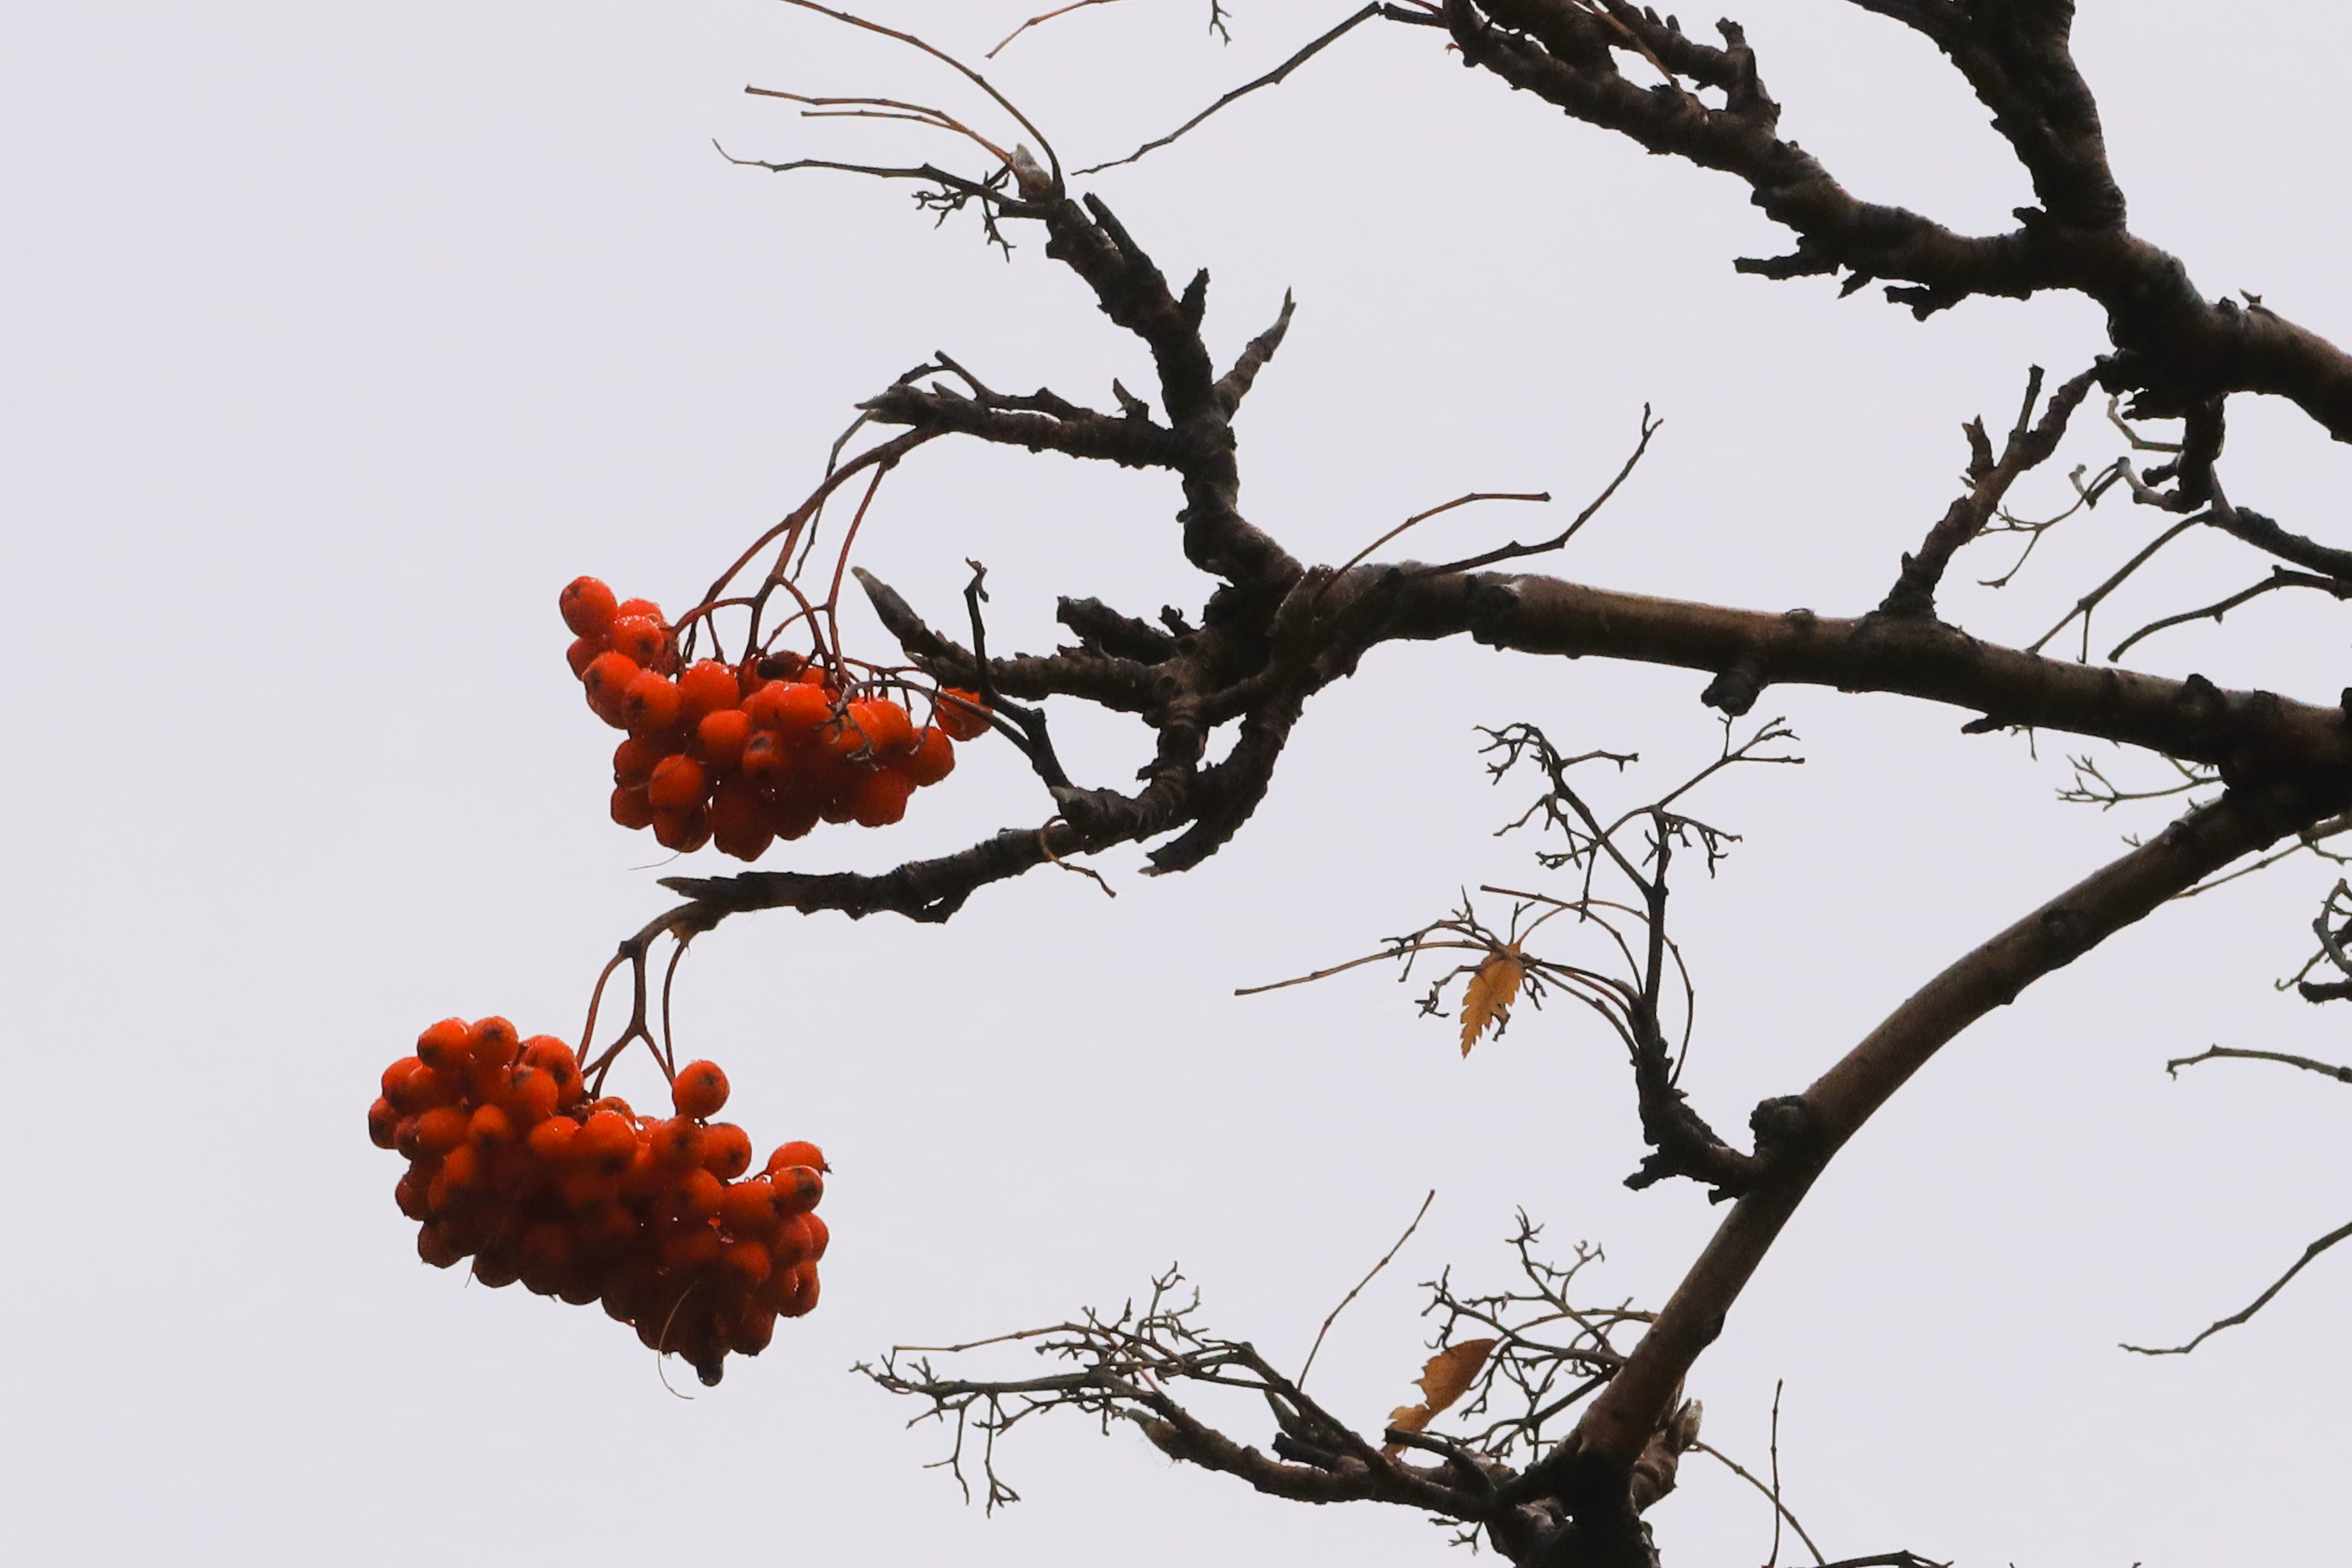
<point>1781,1509</point>
<point>1300,1381</point>
<point>2257,1304</point>
<point>1270,79</point>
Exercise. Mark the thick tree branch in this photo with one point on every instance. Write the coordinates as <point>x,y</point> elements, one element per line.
<point>1621,1419</point>
<point>2175,349</point>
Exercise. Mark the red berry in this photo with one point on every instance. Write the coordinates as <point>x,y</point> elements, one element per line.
<point>634,759</point>
<point>720,736</point>
<point>492,1042</point>
<point>738,820</point>
<point>678,784</point>
<point>709,687</point>
<point>724,1149</point>
<point>962,714</point>
<point>799,1188</point>
<point>442,1129</point>
<point>765,759</point>
<point>581,653</point>
<point>555,1140</point>
<point>683,831</point>
<point>640,637</point>
<point>748,1260</point>
<point>651,703</point>
<point>632,808</point>
<point>434,1246</point>
<point>382,1120</point>
<point>932,759</point>
<point>607,1143</point>
<point>880,798</point>
<point>608,677</point>
<point>798,1152</point>
<point>672,1141</point>
<point>588,607</point>
<point>887,730</point>
<point>442,1045</point>
<point>699,1090</point>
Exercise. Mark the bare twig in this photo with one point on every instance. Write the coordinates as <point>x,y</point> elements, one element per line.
<point>2257,1304</point>
<point>1383,1263</point>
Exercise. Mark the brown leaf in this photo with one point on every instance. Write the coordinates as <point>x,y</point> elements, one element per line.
<point>1488,998</point>
<point>1446,1378</point>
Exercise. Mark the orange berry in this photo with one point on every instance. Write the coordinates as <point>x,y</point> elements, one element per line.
<point>491,1127</point>
<point>678,784</point>
<point>881,797</point>
<point>530,1094</point>
<point>724,1149</point>
<point>553,1140</point>
<point>632,808</point>
<point>581,653</point>
<point>748,1260</point>
<point>588,607</point>
<point>442,1129</point>
<point>753,1331</point>
<point>411,1194</point>
<point>720,736</point>
<point>634,759</point>
<point>709,687</point>
<point>434,1246</point>
<point>496,1267</point>
<point>794,1241</point>
<point>738,820</point>
<point>799,1152</point>
<point>640,637</point>
<point>607,676</point>
<point>444,1043</point>
<point>587,1190</point>
<point>553,1058</point>
<point>699,1194</point>
<point>792,816</point>
<point>644,607</point>
<point>764,757</point>
<point>683,831</point>
<point>749,1208</point>
<point>820,1234</point>
<point>607,1143</point>
<point>672,1141</point>
<point>699,1090</point>
<point>382,1120</point>
<point>685,1248</point>
<point>548,1247</point>
<point>791,708</point>
<point>962,714</point>
<point>804,1292</point>
<point>417,1090</point>
<point>651,703</point>
<point>492,1042</point>
<point>459,1177</point>
<point>799,1188</point>
<point>885,725</point>
<point>932,759</point>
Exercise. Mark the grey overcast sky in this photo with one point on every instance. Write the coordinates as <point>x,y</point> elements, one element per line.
<point>334,339</point>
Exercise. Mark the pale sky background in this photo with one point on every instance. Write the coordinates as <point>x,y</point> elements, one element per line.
<point>334,339</point>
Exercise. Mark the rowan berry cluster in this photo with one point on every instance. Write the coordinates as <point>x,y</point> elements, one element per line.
<point>741,755</point>
<point>512,1164</point>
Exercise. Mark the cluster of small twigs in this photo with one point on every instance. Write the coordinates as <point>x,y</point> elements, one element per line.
<point>1549,1352</point>
<point>1640,985</point>
<point>1543,1352</point>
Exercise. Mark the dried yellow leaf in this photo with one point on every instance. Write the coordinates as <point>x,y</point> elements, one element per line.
<point>1488,998</point>
<point>1446,1378</point>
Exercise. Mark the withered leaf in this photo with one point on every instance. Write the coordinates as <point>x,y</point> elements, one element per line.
<point>1488,998</point>
<point>1446,1378</point>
